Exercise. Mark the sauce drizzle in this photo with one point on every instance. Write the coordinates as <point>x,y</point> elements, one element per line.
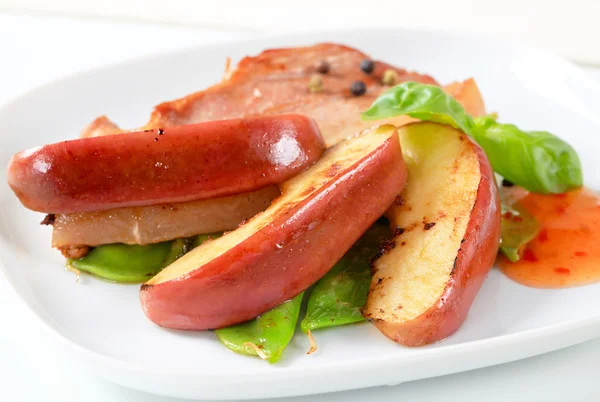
<point>566,251</point>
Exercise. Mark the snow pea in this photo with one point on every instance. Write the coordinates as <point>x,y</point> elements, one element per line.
<point>127,263</point>
<point>199,239</point>
<point>519,227</point>
<point>178,248</point>
<point>265,336</point>
<point>338,297</point>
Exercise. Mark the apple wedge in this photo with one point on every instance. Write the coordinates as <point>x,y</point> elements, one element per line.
<point>447,233</point>
<point>288,247</point>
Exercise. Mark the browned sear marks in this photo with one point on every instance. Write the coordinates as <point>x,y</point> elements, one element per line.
<point>428,225</point>
<point>333,170</point>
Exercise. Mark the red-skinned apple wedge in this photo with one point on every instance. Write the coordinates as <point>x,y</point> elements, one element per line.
<point>447,233</point>
<point>288,247</point>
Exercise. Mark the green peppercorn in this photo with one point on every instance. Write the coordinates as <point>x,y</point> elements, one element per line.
<point>390,77</point>
<point>315,84</point>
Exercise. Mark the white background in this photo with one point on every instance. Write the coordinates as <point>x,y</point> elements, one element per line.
<point>36,49</point>
<point>570,28</point>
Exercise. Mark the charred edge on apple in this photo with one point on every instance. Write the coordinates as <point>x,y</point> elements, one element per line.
<point>398,231</point>
<point>385,247</point>
<point>145,286</point>
<point>428,225</point>
<point>369,318</point>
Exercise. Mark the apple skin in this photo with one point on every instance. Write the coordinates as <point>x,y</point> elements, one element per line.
<point>476,254</point>
<point>171,165</point>
<point>298,243</point>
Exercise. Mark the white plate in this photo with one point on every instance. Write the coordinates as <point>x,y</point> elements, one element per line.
<point>101,325</point>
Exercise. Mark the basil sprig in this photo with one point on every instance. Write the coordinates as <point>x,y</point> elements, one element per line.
<point>536,160</point>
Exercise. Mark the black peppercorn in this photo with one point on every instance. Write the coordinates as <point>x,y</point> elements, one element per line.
<point>507,183</point>
<point>358,88</point>
<point>367,66</point>
<point>323,67</point>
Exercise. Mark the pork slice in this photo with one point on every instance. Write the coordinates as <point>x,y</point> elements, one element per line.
<point>276,81</point>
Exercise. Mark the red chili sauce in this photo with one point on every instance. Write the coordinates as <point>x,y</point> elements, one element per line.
<point>566,251</point>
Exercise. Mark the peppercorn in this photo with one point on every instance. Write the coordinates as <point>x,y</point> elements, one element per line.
<point>390,77</point>
<point>507,183</point>
<point>367,66</point>
<point>323,67</point>
<point>358,88</point>
<point>315,84</point>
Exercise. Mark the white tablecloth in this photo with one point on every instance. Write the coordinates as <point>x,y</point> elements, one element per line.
<point>37,49</point>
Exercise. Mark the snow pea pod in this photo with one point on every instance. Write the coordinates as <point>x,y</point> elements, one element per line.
<point>519,227</point>
<point>178,248</point>
<point>128,263</point>
<point>338,297</point>
<point>201,238</point>
<point>265,336</point>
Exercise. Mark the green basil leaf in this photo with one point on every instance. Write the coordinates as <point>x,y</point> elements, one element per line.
<point>538,161</point>
<point>421,101</point>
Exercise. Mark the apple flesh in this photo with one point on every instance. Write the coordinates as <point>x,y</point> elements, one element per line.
<point>288,247</point>
<point>447,233</point>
